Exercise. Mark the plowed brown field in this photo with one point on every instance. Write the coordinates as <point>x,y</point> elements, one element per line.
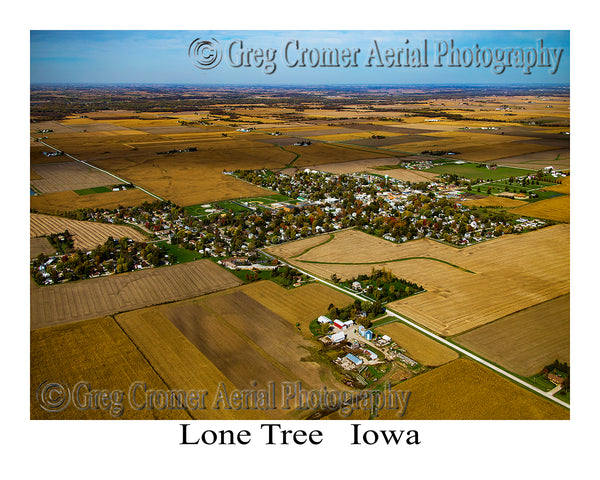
<point>73,301</point>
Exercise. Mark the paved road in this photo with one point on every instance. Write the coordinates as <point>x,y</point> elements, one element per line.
<point>548,395</point>
<point>121,180</point>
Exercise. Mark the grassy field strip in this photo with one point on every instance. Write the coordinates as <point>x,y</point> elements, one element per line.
<point>376,263</point>
<point>291,164</point>
<point>331,237</point>
<point>106,172</point>
<point>442,340</point>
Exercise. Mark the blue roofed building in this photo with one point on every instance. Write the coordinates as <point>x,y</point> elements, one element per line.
<point>354,359</point>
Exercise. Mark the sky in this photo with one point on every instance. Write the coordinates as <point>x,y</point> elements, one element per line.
<point>165,57</point>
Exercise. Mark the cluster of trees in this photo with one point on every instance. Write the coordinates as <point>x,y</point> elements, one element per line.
<point>111,257</point>
<point>384,286</point>
<point>283,275</point>
<point>361,312</point>
<point>563,368</point>
<point>287,275</point>
<point>62,242</point>
<point>439,152</point>
<point>175,150</point>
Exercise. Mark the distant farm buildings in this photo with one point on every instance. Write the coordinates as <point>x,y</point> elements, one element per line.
<point>342,325</point>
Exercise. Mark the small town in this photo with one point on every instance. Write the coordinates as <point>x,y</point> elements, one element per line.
<point>313,203</point>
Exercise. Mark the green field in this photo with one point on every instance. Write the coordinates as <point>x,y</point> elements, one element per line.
<point>472,170</point>
<point>268,199</point>
<point>232,205</point>
<point>515,187</point>
<point>180,254</point>
<point>89,191</point>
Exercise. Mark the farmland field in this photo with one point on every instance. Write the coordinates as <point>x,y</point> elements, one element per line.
<point>405,175</point>
<point>242,335</point>
<point>423,349</point>
<point>465,287</point>
<point>298,305</point>
<point>177,361</point>
<point>525,341</point>
<point>58,177</point>
<point>39,245</point>
<point>73,301</point>
<point>465,390</point>
<point>244,339</point>
<point>95,351</point>
<point>557,208</point>
<point>86,235</point>
<point>469,170</point>
<point>492,201</point>
<point>59,202</point>
<point>353,166</point>
<point>559,159</point>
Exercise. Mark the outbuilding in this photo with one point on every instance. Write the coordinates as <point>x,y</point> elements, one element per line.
<point>338,337</point>
<point>354,359</point>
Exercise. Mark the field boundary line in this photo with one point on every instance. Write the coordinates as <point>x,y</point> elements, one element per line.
<point>114,319</point>
<point>331,237</point>
<point>378,263</point>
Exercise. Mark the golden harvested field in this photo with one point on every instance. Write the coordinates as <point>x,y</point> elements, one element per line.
<point>319,153</point>
<point>456,140</point>
<point>302,304</point>
<point>423,349</point>
<point>197,177</point>
<point>563,187</point>
<point>365,249</point>
<point>37,157</point>
<point>186,178</point>
<point>58,177</point>
<point>40,245</point>
<point>493,201</point>
<point>405,175</point>
<point>556,208</point>
<point>465,390</point>
<point>86,235</point>
<point>99,353</point>
<point>59,202</point>
<point>485,153</point>
<point>245,340</point>
<point>558,158</point>
<point>526,341</point>
<point>237,337</point>
<point>179,363</point>
<point>349,136</point>
<point>83,299</point>
<point>33,175</point>
<point>354,165</point>
<point>509,274</point>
